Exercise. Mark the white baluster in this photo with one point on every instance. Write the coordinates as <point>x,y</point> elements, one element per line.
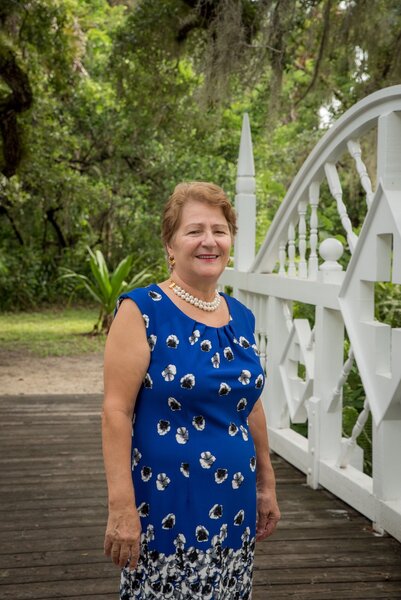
<point>292,270</point>
<point>262,347</point>
<point>345,371</point>
<point>337,193</point>
<point>311,341</point>
<point>314,202</point>
<point>260,312</point>
<point>349,445</point>
<point>282,258</point>
<point>287,315</point>
<point>354,148</point>
<point>303,269</point>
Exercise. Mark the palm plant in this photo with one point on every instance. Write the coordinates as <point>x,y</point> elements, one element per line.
<point>106,287</point>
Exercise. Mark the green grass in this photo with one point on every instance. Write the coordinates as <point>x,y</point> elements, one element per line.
<point>51,332</point>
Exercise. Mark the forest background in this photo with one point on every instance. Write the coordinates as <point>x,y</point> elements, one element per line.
<point>106,105</point>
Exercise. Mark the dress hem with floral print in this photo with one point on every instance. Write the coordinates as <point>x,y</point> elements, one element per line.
<point>218,573</point>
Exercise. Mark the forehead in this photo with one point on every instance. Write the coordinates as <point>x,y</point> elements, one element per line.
<point>195,211</point>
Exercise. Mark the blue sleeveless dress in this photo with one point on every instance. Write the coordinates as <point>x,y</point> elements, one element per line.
<point>193,457</point>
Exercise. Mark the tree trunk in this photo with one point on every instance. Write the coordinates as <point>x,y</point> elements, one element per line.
<point>18,101</point>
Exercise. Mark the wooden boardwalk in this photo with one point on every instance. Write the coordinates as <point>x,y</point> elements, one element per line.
<point>53,513</point>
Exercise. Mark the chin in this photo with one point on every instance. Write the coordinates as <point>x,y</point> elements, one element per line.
<point>212,272</point>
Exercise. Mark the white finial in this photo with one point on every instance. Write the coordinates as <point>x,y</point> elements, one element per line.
<point>331,251</point>
<point>246,167</point>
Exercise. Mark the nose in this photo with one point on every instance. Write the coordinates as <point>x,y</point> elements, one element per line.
<point>208,238</point>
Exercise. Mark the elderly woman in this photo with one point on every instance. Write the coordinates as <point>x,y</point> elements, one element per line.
<point>190,482</point>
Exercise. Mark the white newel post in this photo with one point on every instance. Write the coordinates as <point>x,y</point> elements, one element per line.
<point>324,421</point>
<point>387,434</point>
<point>245,202</point>
<point>387,475</point>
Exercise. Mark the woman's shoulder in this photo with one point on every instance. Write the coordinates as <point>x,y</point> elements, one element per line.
<point>142,296</point>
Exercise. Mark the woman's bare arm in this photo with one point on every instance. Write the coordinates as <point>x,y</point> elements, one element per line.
<point>126,361</point>
<point>268,513</point>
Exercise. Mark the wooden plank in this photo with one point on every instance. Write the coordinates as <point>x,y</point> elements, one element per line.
<point>312,575</point>
<point>58,534</point>
<point>74,571</point>
<point>50,544</point>
<point>328,591</point>
<point>301,557</point>
<point>52,590</point>
<point>333,546</point>
<point>53,515</point>
<point>262,575</point>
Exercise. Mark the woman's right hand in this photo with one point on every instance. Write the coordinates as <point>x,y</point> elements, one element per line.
<point>123,534</point>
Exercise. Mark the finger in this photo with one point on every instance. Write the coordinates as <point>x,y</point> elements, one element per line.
<point>134,555</point>
<point>125,553</point>
<point>270,526</point>
<point>261,523</point>
<point>108,543</point>
<point>115,553</point>
<point>133,561</point>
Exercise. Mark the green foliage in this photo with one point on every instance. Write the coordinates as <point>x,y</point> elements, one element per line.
<point>131,97</point>
<point>388,303</point>
<point>105,287</point>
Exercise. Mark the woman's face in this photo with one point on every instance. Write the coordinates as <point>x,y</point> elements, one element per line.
<point>201,245</point>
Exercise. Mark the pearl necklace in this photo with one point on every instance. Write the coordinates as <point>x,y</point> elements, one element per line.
<point>202,304</point>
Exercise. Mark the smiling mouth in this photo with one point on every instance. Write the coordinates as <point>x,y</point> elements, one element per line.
<point>207,256</point>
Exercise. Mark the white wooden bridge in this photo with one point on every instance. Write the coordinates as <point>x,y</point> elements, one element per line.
<point>291,267</point>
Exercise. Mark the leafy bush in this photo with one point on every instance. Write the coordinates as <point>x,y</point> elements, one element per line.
<point>105,287</point>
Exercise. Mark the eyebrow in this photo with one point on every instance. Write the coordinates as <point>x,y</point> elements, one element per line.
<point>202,225</point>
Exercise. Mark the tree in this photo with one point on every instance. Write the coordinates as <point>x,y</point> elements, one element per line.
<point>110,104</point>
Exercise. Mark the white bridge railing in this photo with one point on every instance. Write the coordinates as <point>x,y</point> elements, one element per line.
<point>305,364</point>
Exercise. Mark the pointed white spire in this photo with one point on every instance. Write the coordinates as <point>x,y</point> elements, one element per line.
<point>246,167</point>
<point>245,201</point>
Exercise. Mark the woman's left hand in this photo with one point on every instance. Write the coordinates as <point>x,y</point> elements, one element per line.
<point>268,514</point>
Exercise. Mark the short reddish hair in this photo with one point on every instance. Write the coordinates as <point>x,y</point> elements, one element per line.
<point>202,191</point>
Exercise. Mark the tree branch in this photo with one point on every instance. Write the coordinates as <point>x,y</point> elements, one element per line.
<point>325,34</point>
<point>5,211</point>
<point>50,215</point>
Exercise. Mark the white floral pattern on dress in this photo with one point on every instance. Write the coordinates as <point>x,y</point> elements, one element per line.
<point>213,573</point>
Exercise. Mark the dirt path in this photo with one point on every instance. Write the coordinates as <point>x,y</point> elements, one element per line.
<point>25,374</point>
